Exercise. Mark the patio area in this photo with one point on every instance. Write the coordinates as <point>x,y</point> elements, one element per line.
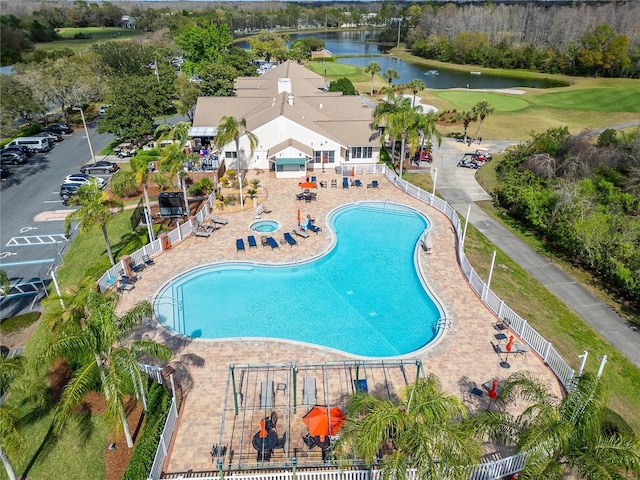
<point>463,359</point>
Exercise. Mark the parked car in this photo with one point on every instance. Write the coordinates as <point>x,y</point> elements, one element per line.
<point>103,108</point>
<point>18,149</point>
<point>468,161</point>
<point>101,166</point>
<point>12,158</point>
<point>56,137</point>
<point>68,190</point>
<point>35,144</point>
<point>60,128</point>
<point>125,150</point>
<point>4,172</point>
<point>83,178</point>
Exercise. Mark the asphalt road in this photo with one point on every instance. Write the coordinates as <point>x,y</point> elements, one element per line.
<point>32,218</point>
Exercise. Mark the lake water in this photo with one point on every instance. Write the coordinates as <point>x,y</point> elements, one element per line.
<point>355,43</point>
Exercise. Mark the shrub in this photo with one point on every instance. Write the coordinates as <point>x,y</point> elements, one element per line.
<point>159,403</point>
<point>202,187</point>
<point>123,183</point>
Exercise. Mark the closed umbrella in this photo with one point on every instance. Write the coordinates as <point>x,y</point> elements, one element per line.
<point>493,393</point>
<point>508,348</point>
<point>323,420</point>
<point>298,217</point>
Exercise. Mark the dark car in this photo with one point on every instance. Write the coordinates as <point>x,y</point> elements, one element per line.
<point>4,172</point>
<point>68,190</point>
<point>12,158</point>
<point>60,128</point>
<point>102,166</point>
<point>18,149</point>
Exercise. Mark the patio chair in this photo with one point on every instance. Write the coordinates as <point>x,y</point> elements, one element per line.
<point>272,243</point>
<point>218,220</point>
<point>252,241</point>
<point>264,241</point>
<point>361,385</point>
<point>313,179</point>
<point>239,245</point>
<point>200,233</point>
<point>308,441</point>
<point>138,267</point>
<point>358,183</point>
<point>290,240</point>
<point>314,228</point>
<point>282,441</point>
<point>334,183</point>
<point>147,260</point>
<point>345,182</point>
<point>374,184</point>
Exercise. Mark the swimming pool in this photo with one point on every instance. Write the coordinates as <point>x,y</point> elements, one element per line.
<point>363,297</point>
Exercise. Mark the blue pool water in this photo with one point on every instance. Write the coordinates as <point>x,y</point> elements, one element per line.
<point>364,297</point>
<point>264,226</point>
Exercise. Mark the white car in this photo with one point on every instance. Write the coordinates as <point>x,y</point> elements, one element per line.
<point>83,178</point>
<point>103,109</point>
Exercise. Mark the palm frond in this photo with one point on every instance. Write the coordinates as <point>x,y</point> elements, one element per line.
<point>84,379</point>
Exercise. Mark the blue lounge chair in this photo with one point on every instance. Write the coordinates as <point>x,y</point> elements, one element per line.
<point>313,179</point>
<point>345,182</point>
<point>314,228</point>
<point>272,243</point>
<point>239,244</point>
<point>290,240</point>
<point>357,183</point>
<point>374,184</point>
<point>361,385</point>
<point>252,241</point>
<point>147,260</point>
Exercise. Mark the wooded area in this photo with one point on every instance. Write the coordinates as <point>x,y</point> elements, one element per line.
<point>583,199</point>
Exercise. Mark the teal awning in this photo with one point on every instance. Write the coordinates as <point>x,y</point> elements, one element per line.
<point>291,161</point>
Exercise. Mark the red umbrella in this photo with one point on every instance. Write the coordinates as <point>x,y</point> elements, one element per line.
<point>493,393</point>
<point>322,420</point>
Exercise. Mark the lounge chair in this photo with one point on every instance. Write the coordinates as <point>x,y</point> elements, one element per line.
<point>138,267</point>
<point>374,184</point>
<point>300,232</point>
<point>309,391</point>
<point>313,228</point>
<point>202,234</point>
<point>239,245</point>
<point>282,441</point>
<point>358,183</point>
<point>267,394</point>
<point>307,439</point>
<point>361,385</point>
<point>147,260</point>
<point>218,220</point>
<point>334,183</point>
<point>252,241</point>
<point>272,242</point>
<point>290,240</point>
<point>515,348</point>
<point>345,182</point>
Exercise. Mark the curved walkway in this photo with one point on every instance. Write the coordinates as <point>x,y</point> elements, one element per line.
<point>459,188</point>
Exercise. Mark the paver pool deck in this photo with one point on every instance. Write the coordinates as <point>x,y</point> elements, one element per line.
<point>464,355</point>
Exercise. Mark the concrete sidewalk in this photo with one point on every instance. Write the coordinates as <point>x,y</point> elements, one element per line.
<point>459,188</point>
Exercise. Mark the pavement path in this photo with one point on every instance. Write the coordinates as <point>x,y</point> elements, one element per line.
<point>459,188</point>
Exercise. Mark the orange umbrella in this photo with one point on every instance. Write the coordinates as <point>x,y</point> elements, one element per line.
<point>298,217</point>
<point>263,432</point>
<point>493,393</point>
<point>353,171</point>
<point>509,344</point>
<point>322,420</point>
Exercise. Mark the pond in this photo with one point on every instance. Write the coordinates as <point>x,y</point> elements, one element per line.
<point>355,43</point>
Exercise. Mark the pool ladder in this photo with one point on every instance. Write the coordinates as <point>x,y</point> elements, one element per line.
<point>295,259</point>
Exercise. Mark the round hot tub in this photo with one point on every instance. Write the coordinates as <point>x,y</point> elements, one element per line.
<point>264,226</point>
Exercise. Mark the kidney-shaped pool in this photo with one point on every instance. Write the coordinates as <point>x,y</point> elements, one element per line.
<point>364,297</point>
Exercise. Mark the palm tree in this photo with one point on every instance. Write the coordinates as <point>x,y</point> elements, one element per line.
<point>11,440</point>
<point>95,207</point>
<point>416,85</point>
<point>467,118</point>
<point>424,428</point>
<point>482,110</point>
<point>391,74</point>
<point>140,165</point>
<point>231,130</point>
<point>382,115</point>
<point>372,68</point>
<point>98,346</point>
<point>577,435</point>
<point>173,157</point>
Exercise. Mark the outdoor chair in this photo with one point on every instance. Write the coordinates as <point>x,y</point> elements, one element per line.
<point>252,241</point>
<point>358,183</point>
<point>272,243</point>
<point>314,228</point>
<point>218,220</point>
<point>282,441</point>
<point>147,260</point>
<point>361,385</point>
<point>239,245</point>
<point>138,267</point>
<point>264,241</point>
<point>300,232</point>
<point>308,441</point>
<point>374,184</point>
<point>334,183</point>
<point>290,240</point>
<point>309,391</point>
<point>345,182</point>
<point>267,394</point>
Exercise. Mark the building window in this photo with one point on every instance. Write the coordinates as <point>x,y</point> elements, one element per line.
<point>329,156</point>
<point>361,152</point>
<point>230,155</point>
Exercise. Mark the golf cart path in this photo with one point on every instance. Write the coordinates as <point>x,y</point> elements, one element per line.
<point>459,188</point>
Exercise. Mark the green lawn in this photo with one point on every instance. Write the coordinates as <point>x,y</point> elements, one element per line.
<point>96,34</point>
<point>501,103</point>
<point>333,71</point>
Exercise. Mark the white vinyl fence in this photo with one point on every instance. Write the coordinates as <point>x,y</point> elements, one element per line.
<point>485,471</point>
